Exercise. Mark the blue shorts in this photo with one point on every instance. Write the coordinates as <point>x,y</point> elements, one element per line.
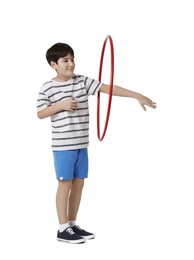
<point>71,164</point>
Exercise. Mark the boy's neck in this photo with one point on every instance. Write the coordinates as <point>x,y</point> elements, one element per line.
<point>61,79</point>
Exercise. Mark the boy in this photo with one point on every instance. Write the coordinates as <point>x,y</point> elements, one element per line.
<point>65,100</point>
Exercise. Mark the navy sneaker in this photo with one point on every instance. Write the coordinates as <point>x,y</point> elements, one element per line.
<point>69,236</point>
<point>82,233</point>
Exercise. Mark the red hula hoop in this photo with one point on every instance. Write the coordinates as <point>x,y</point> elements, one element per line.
<point>111,87</point>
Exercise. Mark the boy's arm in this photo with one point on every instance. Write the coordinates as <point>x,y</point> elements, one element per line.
<point>69,104</point>
<point>123,92</point>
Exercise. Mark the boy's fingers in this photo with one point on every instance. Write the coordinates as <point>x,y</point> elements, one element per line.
<point>73,104</point>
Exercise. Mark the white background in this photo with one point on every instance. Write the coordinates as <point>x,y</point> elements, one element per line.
<point>138,199</point>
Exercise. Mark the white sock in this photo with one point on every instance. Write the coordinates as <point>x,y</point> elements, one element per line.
<point>72,223</point>
<point>62,227</point>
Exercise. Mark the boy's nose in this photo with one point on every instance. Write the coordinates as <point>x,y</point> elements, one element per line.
<point>71,64</point>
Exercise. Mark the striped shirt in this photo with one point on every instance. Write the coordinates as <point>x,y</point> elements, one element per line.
<point>70,130</point>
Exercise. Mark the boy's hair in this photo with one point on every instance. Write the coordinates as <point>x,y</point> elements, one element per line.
<point>57,51</point>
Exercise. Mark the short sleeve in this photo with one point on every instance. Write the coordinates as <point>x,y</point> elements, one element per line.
<point>92,86</point>
<point>42,101</point>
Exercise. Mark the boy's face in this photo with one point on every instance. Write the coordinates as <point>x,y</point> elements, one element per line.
<point>65,67</point>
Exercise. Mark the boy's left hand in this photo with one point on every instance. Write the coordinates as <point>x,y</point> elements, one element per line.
<point>144,101</point>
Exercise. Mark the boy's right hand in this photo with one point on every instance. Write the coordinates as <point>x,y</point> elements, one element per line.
<point>69,104</point>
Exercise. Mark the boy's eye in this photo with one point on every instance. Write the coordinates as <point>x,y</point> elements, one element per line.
<point>72,60</point>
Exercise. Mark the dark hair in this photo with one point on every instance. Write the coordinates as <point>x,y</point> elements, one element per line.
<point>57,51</point>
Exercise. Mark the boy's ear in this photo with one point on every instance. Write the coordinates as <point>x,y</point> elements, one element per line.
<point>53,64</point>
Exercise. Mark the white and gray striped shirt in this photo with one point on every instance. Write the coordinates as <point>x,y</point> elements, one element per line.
<point>70,130</point>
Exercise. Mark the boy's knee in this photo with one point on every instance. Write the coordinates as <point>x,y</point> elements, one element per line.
<point>66,184</point>
<point>78,182</point>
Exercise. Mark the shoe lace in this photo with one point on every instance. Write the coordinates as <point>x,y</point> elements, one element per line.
<point>70,231</point>
<point>78,227</point>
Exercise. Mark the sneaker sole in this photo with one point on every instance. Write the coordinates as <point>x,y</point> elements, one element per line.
<point>80,241</point>
<point>89,237</point>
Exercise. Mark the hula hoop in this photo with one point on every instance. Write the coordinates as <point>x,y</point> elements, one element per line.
<point>111,87</point>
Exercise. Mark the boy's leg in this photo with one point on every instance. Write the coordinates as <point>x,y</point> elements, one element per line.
<point>74,202</point>
<point>80,173</point>
<point>75,198</point>
<point>62,197</point>
<point>65,233</point>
